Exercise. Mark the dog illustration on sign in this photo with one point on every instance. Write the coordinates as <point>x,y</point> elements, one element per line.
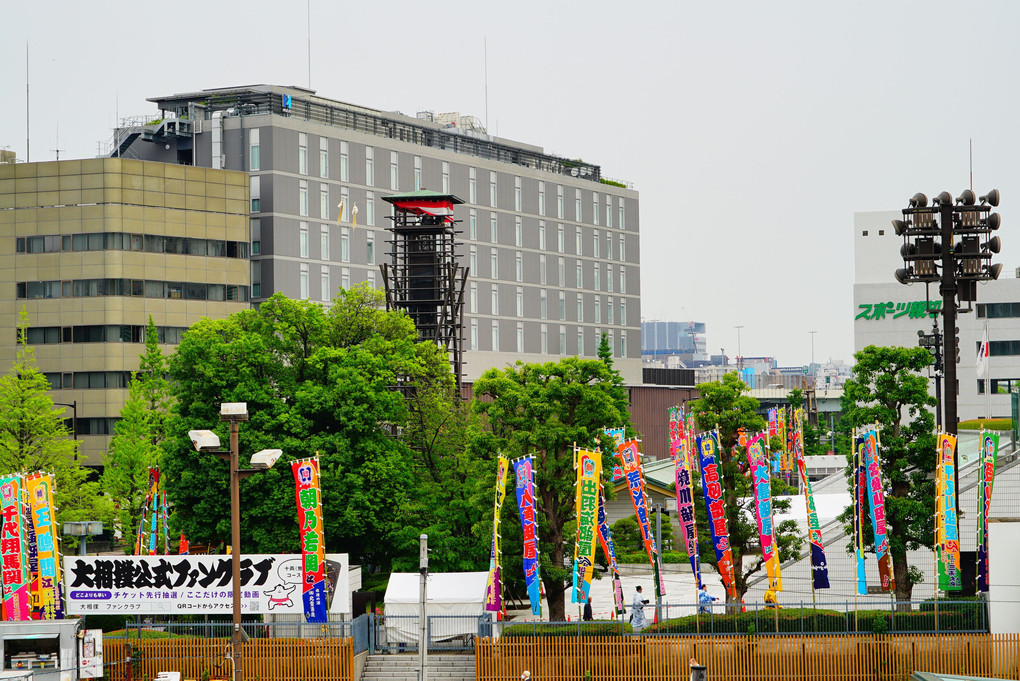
<point>280,596</point>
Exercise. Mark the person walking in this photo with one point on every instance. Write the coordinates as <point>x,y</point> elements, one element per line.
<point>587,616</point>
<point>705,601</point>
<point>637,610</point>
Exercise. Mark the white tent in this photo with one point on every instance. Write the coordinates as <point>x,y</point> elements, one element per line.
<point>454,602</point>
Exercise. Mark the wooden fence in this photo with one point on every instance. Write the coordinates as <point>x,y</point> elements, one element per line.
<point>269,659</point>
<point>749,658</point>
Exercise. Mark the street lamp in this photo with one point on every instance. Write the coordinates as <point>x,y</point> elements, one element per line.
<point>740,358</point>
<point>74,422</point>
<point>208,441</point>
<point>950,244</point>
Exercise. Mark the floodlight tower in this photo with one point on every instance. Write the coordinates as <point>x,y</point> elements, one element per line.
<point>424,277</point>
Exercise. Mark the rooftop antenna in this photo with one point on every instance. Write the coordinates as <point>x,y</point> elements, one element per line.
<point>972,164</point>
<point>309,44</point>
<point>28,118</point>
<point>486,60</point>
<point>57,150</point>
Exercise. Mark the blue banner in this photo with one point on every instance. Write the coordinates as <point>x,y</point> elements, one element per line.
<point>526,508</point>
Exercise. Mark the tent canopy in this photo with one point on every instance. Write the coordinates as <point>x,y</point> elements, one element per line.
<point>443,588</point>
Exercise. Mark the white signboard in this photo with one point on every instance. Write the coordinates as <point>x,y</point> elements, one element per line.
<point>194,584</point>
<point>91,654</point>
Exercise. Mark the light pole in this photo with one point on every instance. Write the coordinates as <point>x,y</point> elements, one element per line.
<point>740,357</point>
<point>208,441</point>
<point>812,348</point>
<point>74,422</point>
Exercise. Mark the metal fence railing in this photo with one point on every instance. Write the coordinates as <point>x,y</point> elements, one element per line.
<point>252,630</point>
<point>399,633</point>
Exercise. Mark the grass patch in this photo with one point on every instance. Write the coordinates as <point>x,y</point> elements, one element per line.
<point>986,424</point>
<point>145,633</point>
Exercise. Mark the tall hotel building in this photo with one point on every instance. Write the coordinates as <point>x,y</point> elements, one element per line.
<point>552,246</point>
<point>90,249</point>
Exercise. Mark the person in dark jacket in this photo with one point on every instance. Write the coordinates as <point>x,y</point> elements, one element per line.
<point>587,611</point>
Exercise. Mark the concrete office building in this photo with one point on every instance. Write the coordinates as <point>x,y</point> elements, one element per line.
<point>92,248</point>
<point>889,313</point>
<point>552,250</point>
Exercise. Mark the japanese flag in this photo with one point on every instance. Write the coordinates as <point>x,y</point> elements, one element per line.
<point>982,355</point>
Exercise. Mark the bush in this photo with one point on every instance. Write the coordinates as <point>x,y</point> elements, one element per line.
<point>544,629</point>
<point>986,424</point>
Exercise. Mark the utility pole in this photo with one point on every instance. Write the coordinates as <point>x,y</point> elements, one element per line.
<point>423,640</point>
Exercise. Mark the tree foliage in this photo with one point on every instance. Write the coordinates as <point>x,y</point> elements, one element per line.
<point>887,389</point>
<point>723,405</point>
<point>316,381</point>
<point>545,410</point>
<point>34,437</point>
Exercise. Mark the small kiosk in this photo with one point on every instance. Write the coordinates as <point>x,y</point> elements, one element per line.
<point>46,649</point>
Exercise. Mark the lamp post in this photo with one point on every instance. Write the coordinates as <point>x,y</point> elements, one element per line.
<point>740,357</point>
<point>206,440</point>
<point>956,265</point>
<point>74,421</point>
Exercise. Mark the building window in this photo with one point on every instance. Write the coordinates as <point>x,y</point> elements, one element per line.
<point>473,258</point>
<point>518,232</point>
<point>370,209</point>
<point>492,188</point>
<point>609,278</point>
<point>598,309</point>
<point>254,158</point>
<point>563,305</point>
<point>303,240</point>
<point>543,332</point>
<point>303,198</point>
<point>345,162</point>
<point>609,245</point>
<point>473,224</point>
<point>324,281</point>
<point>520,301</point>
<point>563,340</point>
<point>446,177</point>
<point>369,166</point>
<point>623,249</point>
<point>472,186</point>
<point>394,172</point>
<point>323,161</point>
<point>417,174</point>
<point>541,197</point>
<point>304,281</point>
<point>254,189</point>
<point>541,235</point>
<point>302,155</point>
<point>580,275</point>
<point>345,278</point>
<point>580,341</point>
<point>609,310</point>
<point>595,244</point>
<point>370,277</point>
<point>324,243</point>
<point>345,205</point>
<point>543,265</point>
<point>324,203</point>
<point>493,229</point>
<point>495,335</point>
<point>517,194</point>
<point>520,337</point>
<point>519,266</point>
<point>561,266</point>
<point>595,208</point>
<point>543,304</point>
<point>623,312</point>
<point>609,211</point>
<point>369,248</point>
<point>577,205</point>
<point>623,343</point>
<point>473,298</point>
<point>559,202</point>
<point>255,229</point>
<point>493,264</point>
<point>345,246</point>
<point>596,271</point>
<point>623,279</point>
<point>580,308</point>
<point>560,245</point>
<point>577,242</point>
<point>494,300</point>
<point>474,334</point>
<point>623,223</point>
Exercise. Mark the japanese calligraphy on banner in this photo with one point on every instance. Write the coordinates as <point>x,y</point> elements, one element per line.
<point>630,462</point>
<point>860,485</point>
<point>154,500</point>
<point>606,540</point>
<point>47,587</point>
<point>313,539</point>
<point>494,585</point>
<point>711,485</point>
<point>876,501</point>
<point>819,568</point>
<point>525,476</point>
<point>773,421</point>
<point>685,504</point>
<point>989,454</point>
<point>947,532</point>
<point>762,492</point>
<point>589,475</point>
<point>270,584</point>
<point>13,551</point>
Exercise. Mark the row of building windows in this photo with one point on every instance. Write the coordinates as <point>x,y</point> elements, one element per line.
<point>121,241</point>
<point>93,425</point>
<point>102,333</point>
<point>546,345</point>
<point>998,310</point>
<point>89,288</point>
<point>601,248</point>
<point>596,280</point>
<point>999,386</point>
<point>543,305</point>
<point>1004,348</point>
<point>601,204</point>
<point>85,380</point>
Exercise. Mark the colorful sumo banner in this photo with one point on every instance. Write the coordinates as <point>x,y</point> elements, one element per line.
<point>819,568</point>
<point>43,514</point>
<point>685,505</point>
<point>494,584</point>
<point>606,540</point>
<point>630,462</point>
<point>762,493</point>
<point>989,455</point>
<point>860,486</point>
<point>711,485</point>
<point>876,501</point>
<point>197,584</point>
<point>589,477</point>
<point>14,551</point>
<point>313,541</point>
<point>950,577</point>
<point>525,475</point>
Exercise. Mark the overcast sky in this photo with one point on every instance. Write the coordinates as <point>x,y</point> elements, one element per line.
<point>753,131</point>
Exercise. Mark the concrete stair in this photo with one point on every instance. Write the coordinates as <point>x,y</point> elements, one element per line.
<point>405,668</point>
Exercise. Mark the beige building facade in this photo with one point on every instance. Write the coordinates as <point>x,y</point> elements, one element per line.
<point>89,249</point>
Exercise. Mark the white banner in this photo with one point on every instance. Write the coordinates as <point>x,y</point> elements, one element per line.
<point>141,585</point>
<point>91,654</point>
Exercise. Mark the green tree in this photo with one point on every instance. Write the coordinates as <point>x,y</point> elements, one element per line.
<point>545,410</point>
<point>34,437</point>
<point>723,405</point>
<point>887,389</point>
<point>138,436</point>
<point>316,381</point>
